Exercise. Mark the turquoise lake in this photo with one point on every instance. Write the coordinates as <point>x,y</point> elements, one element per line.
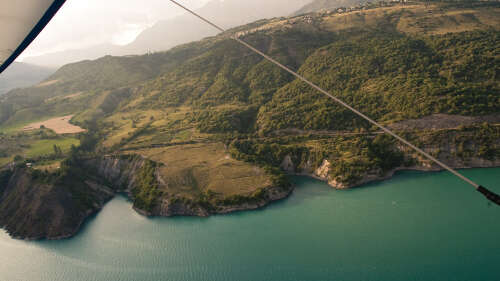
<point>416,226</point>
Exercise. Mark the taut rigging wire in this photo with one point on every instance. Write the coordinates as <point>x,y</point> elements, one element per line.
<point>487,193</point>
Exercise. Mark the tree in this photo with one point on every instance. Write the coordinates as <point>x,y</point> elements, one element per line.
<point>57,150</point>
<point>18,158</point>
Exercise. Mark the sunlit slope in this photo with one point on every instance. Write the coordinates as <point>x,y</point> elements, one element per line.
<point>209,127</point>
<point>393,63</point>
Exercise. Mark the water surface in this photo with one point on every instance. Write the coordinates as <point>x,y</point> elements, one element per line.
<point>417,226</point>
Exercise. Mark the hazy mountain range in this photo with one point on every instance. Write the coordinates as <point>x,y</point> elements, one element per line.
<point>163,36</point>
<point>20,75</point>
<point>179,30</point>
<point>318,5</point>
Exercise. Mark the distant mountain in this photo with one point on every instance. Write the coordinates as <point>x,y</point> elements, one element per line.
<point>228,13</point>
<point>58,59</point>
<point>20,75</point>
<point>318,5</point>
<point>179,30</point>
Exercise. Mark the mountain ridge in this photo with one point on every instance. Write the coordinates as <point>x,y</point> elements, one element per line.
<point>213,105</point>
<point>21,75</point>
<point>324,5</point>
<point>182,29</point>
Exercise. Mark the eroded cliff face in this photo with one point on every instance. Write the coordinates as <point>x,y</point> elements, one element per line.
<point>124,174</point>
<point>323,173</point>
<point>36,207</point>
<point>170,207</point>
<point>446,154</point>
<point>33,209</point>
<point>120,172</point>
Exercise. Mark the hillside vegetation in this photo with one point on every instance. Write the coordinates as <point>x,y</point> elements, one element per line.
<point>392,62</point>
<point>325,5</point>
<point>202,109</point>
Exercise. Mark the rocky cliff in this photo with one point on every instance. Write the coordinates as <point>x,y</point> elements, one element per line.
<point>125,173</point>
<point>38,205</point>
<point>31,208</point>
<point>446,154</point>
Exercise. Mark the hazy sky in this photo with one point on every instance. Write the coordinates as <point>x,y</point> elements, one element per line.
<point>83,23</point>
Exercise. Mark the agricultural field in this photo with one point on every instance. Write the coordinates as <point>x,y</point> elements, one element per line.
<point>35,144</point>
<point>59,125</point>
<point>193,169</point>
<point>46,147</point>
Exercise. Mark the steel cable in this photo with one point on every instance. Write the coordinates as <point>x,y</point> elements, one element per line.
<point>488,194</point>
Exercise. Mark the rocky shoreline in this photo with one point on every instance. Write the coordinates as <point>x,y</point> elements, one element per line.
<point>122,174</point>
<point>50,221</point>
<point>170,209</point>
<point>70,234</point>
<point>31,209</point>
<point>322,172</point>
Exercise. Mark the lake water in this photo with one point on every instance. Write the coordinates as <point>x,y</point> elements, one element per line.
<point>417,226</point>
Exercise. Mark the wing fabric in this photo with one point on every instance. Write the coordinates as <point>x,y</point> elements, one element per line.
<point>20,23</point>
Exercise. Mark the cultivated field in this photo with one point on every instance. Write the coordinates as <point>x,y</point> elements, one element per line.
<point>46,147</point>
<point>192,169</point>
<point>33,144</point>
<point>60,125</point>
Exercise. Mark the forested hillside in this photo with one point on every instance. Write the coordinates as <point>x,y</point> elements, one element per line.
<point>393,63</point>
<point>205,102</point>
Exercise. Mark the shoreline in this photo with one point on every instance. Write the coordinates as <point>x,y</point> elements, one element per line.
<point>389,175</point>
<point>247,206</point>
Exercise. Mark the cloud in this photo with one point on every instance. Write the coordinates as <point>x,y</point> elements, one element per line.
<point>84,23</point>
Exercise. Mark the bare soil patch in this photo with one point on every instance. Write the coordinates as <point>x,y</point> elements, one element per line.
<point>71,96</point>
<point>60,125</point>
<point>47,83</point>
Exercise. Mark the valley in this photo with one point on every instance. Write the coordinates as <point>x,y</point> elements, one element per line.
<point>210,128</point>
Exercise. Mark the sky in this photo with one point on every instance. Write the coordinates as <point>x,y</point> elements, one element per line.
<point>84,23</point>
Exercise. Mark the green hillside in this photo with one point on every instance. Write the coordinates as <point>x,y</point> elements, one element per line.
<point>211,128</point>
<point>393,62</point>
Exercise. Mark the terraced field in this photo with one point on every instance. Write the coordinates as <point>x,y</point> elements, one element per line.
<point>194,169</point>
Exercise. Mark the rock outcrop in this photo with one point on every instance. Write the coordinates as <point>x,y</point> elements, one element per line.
<point>38,206</point>
<point>323,171</point>
<point>33,209</point>
<point>118,171</point>
<point>122,173</point>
